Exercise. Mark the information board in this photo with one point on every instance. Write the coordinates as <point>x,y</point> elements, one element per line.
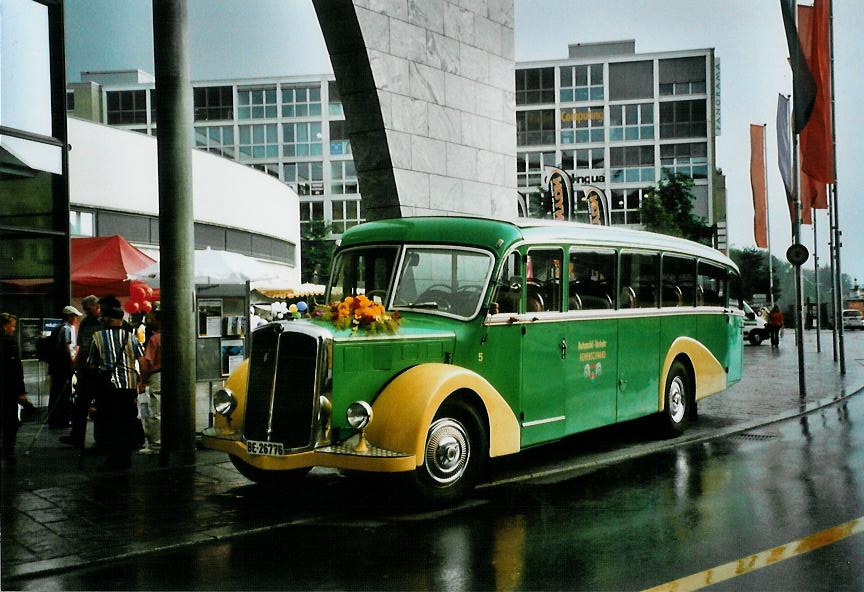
<point>29,330</point>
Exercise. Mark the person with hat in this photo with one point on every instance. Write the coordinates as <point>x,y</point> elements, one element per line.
<point>60,369</point>
<point>83,399</point>
<point>114,353</point>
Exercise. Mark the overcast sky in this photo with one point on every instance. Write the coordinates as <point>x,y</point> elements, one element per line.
<point>234,39</point>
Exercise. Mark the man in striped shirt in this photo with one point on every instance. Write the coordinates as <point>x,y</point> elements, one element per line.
<point>114,354</point>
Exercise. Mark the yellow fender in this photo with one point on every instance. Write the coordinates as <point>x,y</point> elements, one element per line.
<point>710,376</point>
<point>403,411</point>
<point>237,383</point>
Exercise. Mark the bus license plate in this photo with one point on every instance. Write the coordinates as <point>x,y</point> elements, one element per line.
<point>264,448</point>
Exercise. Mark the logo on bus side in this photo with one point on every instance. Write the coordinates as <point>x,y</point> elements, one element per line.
<point>592,352</point>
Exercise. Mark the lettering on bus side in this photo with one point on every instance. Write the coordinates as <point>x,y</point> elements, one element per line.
<point>592,353</point>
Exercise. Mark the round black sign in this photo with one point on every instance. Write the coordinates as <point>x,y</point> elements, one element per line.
<point>797,254</point>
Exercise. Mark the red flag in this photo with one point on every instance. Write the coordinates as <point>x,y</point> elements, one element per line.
<point>757,184</point>
<point>813,195</point>
<point>817,158</point>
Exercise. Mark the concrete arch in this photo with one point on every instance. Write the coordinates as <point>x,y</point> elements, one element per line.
<point>428,93</point>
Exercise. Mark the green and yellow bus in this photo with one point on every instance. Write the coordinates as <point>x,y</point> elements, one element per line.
<point>454,340</point>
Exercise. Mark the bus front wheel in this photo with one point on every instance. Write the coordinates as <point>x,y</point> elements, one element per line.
<point>679,401</point>
<point>454,455</point>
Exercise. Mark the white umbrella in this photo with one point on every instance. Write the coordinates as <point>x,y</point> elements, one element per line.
<point>217,267</point>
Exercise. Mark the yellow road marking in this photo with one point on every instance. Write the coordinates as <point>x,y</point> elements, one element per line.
<point>751,563</point>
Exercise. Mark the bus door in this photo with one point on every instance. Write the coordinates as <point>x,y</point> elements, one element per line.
<point>638,335</point>
<point>592,339</point>
<point>545,349</point>
<point>499,357</point>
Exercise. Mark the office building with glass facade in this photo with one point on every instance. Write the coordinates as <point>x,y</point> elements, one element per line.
<point>292,128</point>
<point>616,119</point>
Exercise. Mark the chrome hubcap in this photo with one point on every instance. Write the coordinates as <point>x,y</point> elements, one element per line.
<point>677,405</point>
<point>447,451</point>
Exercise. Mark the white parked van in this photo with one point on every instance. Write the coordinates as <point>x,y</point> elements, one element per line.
<point>755,327</point>
<point>853,319</point>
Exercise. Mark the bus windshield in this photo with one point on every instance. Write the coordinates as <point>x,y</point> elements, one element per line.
<point>447,281</point>
<point>366,270</point>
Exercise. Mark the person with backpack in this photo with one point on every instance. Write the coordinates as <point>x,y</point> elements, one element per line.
<point>90,324</point>
<point>114,354</point>
<point>60,370</point>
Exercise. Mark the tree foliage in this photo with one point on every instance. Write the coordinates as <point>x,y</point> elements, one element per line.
<point>668,209</point>
<point>755,276</point>
<point>539,204</point>
<point>316,252</point>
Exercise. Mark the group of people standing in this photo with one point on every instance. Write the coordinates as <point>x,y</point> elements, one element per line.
<point>113,371</point>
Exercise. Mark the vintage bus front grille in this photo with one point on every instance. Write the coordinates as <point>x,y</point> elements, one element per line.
<point>280,403</point>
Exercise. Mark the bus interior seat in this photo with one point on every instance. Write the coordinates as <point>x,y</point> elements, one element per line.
<point>672,296</point>
<point>628,297</point>
<point>508,300</point>
<point>535,302</point>
<point>647,296</point>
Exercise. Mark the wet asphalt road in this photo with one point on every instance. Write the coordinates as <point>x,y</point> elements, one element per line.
<point>634,525</point>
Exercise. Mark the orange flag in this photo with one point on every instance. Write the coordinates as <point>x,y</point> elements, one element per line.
<point>757,183</point>
<point>817,156</point>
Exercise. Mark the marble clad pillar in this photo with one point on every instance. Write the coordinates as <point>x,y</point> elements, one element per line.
<point>428,92</point>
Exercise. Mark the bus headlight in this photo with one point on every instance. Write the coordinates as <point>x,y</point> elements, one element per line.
<point>359,414</point>
<point>224,402</point>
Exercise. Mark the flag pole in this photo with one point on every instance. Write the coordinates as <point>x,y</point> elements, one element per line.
<point>838,283</point>
<point>796,226</point>
<point>831,273</point>
<point>816,278</point>
<point>768,217</point>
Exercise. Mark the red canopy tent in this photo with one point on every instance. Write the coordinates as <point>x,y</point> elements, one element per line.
<point>101,264</point>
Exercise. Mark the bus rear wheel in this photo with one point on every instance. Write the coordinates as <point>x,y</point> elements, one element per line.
<point>679,401</point>
<point>454,455</point>
<point>268,478</point>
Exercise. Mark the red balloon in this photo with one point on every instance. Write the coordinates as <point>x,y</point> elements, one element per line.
<point>149,292</point>
<point>137,292</point>
<point>146,306</point>
<point>131,306</point>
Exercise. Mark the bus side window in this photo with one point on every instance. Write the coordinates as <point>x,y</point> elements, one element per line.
<point>678,287</point>
<point>592,279</point>
<point>736,291</point>
<point>711,280</point>
<point>507,289</point>
<point>543,280</point>
<point>639,279</point>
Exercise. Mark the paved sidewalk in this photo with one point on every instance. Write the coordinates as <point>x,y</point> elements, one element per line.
<point>60,510</point>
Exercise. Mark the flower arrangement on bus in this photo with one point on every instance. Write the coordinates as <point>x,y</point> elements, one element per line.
<point>358,313</point>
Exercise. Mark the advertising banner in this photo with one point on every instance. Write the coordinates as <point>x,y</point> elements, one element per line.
<point>598,205</point>
<point>559,184</point>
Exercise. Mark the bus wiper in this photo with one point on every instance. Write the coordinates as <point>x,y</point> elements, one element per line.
<point>429,305</point>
